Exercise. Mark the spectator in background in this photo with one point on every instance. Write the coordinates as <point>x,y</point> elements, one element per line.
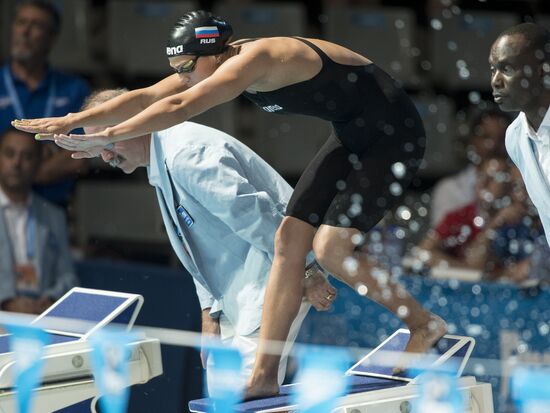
<point>35,260</point>
<point>486,140</point>
<point>460,237</point>
<point>499,233</point>
<point>31,88</point>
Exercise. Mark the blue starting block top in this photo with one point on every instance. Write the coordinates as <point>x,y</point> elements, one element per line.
<point>82,311</point>
<point>372,372</point>
<point>86,310</point>
<point>359,384</point>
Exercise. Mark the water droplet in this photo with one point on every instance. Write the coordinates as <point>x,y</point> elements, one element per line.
<point>398,169</point>
<point>464,73</point>
<point>474,97</point>
<point>402,311</point>
<point>404,213</point>
<point>396,189</point>
<point>452,46</point>
<point>313,218</point>
<point>344,220</point>
<point>357,239</point>
<point>479,369</point>
<point>355,210</point>
<point>353,158</point>
<point>362,289</point>
<point>351,265</point>
<point>426,65</point>
<point>341,185</point>
<point>436,24</point>
<point>479,222</point>
<point>352,77</point>
<point>357,199</point>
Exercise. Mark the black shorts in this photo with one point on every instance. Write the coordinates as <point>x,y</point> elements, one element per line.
<point>365,167</point>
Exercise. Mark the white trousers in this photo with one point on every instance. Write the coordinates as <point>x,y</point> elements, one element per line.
<point>247,345</point>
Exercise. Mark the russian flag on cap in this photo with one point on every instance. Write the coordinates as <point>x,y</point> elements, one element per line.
<point>206,32</point>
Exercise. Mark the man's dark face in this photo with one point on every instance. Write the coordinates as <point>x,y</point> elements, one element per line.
<point>516,75</point>
<point>32,34</point>
<point>19,161</point>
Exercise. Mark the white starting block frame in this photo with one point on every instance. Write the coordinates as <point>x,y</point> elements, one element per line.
<point>375,390</point>
<point>67,375</point>
<point>477,399</point>
<point>450,354</point>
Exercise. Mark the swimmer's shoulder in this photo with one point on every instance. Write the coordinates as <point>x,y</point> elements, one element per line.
<point>258,44</point>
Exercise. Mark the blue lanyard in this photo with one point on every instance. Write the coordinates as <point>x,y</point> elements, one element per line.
<point>16,102</point>
<point>31,235</point>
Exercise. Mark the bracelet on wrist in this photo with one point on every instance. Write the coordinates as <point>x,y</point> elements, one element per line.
<point>312,268</point>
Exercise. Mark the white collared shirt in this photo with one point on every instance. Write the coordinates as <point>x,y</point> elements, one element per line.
<point>16,217</point>
<point>541,138</point>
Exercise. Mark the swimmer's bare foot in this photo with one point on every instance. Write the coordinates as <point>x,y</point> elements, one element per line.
<point>260,388</point>
<point>421,340</point>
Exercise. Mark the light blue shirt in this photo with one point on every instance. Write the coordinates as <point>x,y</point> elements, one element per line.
<point>523,151</point>
<point>232,203</point>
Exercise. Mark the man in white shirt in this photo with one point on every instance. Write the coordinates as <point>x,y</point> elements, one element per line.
<point>35,260</point>
<point>520,79</point>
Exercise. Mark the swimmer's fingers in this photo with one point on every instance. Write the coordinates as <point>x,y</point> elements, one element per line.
<point>81,142</point>
<point>45,127</point>
<point>63,141</point>
<point>44,137</point>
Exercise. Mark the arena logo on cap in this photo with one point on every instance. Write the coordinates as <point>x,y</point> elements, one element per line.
<point>206,32</point>
<point>174,50</point>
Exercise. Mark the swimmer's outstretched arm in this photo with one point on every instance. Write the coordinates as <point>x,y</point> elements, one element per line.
<point>112,112</point>
<point>225,84</point>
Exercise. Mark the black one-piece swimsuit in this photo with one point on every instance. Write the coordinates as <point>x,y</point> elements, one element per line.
<point>371,157</point>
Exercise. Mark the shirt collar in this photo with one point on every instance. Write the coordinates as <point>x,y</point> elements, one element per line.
<point>6,202</point>
<point>542,135</point>
<point>44,83</point>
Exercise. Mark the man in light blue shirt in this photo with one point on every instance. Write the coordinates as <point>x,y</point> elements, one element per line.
<point>221,205</point>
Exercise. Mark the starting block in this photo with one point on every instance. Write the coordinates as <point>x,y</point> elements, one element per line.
<point>374,389</point>
<point>67,375</point>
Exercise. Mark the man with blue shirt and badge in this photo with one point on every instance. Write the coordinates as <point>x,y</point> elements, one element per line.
<point>30,88</point>
<point>520,79</point>
<point>221,205</point>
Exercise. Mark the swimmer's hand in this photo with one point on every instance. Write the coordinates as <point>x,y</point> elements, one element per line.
<point>80,143</point>
<point>45,128</point>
